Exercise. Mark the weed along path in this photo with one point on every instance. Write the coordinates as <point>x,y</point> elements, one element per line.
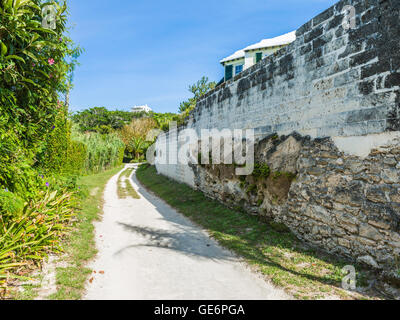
<point>147,250</point>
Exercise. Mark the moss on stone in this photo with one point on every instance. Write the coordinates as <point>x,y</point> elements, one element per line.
<point>251,188</point>
<point>289,175</point>
<point>261,170</point>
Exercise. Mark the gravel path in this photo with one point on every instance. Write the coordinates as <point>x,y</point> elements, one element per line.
<point>147,250</point>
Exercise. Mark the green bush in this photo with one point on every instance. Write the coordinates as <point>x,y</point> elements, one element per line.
<point>76,158</point>
<point>35,68</point>
<point>10,203</point>
<point>53,154</point>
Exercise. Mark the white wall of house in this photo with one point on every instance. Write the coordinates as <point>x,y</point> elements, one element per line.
<point>250,58</point>
<point>235,63</point>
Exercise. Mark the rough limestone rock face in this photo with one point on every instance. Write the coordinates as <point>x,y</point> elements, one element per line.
<point>286,155</point>
<point>345,204</point>
<point>351,202</point>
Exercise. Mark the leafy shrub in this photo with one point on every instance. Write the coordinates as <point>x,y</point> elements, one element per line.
<point>53,155</point>
<point>10,203</point>
<point>76,158</point>
<point>35,68</point>
<point>163,119</point>
<point>63,183</point>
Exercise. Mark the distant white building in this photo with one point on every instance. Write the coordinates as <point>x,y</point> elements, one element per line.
<point>247,57</point>
<point>144,108</point>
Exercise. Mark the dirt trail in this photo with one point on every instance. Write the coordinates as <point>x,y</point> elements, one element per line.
<point>147,250</point>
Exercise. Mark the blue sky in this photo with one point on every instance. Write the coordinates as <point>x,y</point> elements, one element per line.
<point>148,52</point>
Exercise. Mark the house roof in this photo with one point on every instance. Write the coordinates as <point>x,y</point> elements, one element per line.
<point>237,55</point>
<point>266,43</point>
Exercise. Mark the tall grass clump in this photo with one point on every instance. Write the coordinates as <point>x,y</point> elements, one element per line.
<point>103,151</point>
<point>30,231</point>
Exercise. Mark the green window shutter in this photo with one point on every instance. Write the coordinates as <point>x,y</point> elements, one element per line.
<point>228,72</point>
<point>258,57</point>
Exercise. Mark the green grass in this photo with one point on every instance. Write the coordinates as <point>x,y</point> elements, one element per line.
<point>125,188</point>
<point>81,246</point>
<point>29,290</point>
<point>276,253</point>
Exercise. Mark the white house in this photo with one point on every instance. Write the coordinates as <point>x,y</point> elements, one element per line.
<point>247,57</point>
<point>144,108</point>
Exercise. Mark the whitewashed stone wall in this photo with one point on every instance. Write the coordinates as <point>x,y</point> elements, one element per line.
<point>326,110</point>
<point>329,82</point>
<point>172,168</point>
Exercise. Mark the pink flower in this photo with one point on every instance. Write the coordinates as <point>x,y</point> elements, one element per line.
<point>51,61</point>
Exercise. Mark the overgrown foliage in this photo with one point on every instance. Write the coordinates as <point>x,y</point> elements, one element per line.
<point>131,127</point>
<point>102,151</point>
<point>28,235</point>
<point>261,170</point>
<point>35,67</point>
<point>36,189</point>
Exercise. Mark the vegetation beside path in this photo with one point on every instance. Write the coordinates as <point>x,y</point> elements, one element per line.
<point>79,247</point>
<point>269,248</point>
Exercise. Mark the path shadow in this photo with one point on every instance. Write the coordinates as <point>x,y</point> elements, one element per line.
<point>185,240</point>
<point>184,237</point>
<point>258,256</point>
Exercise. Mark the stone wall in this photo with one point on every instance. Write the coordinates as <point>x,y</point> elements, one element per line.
<point>325,110</point>
<point>173,169</point>
<point>329,82</point>
<point>342,203</point>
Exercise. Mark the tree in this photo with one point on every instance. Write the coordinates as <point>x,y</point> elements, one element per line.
<point>163,119</point>
<point>198,89</point>
<point>134,137</point>
<point>99,119</point>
